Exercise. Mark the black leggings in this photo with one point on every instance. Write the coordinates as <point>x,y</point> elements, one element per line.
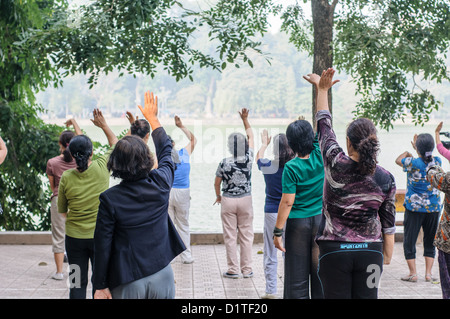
<point>350,270</point>
<point>412,223</point>
<point>79,253</point>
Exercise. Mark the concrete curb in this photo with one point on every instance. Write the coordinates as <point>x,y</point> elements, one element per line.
<point>45,238</point>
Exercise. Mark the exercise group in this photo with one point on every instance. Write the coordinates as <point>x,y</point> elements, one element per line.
<point>329,208</point>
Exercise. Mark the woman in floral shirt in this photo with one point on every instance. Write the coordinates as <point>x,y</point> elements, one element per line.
<point>422,204</point>
<point>234,173</point>
<point>441,181</point>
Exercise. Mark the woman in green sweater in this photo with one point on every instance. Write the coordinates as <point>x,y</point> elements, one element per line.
<point>78,200</point>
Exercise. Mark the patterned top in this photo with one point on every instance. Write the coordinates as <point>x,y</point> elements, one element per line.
<point>441,180</point>
<point>356,208</point>
<point>420,195</point>
<point>236,175</point>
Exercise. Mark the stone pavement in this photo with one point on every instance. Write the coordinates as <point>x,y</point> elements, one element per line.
<point>25,273</point>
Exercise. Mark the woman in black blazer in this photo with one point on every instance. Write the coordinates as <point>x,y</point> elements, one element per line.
<point>135,240</point>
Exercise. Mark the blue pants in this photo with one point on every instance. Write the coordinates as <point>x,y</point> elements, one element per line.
<point>270,254</point>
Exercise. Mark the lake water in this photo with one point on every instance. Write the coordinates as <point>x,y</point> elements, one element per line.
<point>211,148</point>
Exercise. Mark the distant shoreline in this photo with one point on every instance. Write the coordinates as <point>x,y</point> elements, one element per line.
<point>233,120</point>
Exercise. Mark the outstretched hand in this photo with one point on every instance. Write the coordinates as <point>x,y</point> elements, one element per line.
<point>178,122</point>
<point>265,138</point>
<point>150,109</point>
<point>323,82</point>
<point>98,120</point>
<point>131,117</point>
<point>244,113</point>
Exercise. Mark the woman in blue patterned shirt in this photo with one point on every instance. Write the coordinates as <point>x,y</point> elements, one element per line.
<point>422,204</point>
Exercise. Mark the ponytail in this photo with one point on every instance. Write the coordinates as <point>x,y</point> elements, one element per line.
<point>425,147</point>
<point>363,137</point>
<point>81,150</point>
<point>368,149</point>
<point>64,140</point>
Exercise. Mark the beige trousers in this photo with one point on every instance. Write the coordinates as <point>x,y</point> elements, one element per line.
<point>237,223</point>
<point>58,226</point>
<point>179,204</point>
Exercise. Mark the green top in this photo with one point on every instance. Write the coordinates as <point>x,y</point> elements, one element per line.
<point>78,196</point>
<point>304,178</point>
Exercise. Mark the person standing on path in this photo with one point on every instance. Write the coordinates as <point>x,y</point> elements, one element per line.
<point>180,196</point>
<point>234,173</point>
<point>135,239</point>
<point>78,201</point>
<point>55,168</point>
<point>356,234</point>
<point>422,204</point>
<point>299,213</point>
<point>273,172</point>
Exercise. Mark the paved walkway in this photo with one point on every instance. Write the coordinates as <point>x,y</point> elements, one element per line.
<point>25,273</point>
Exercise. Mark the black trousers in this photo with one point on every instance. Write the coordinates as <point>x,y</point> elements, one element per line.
<point>412,223</point>
<point>79,253</point>
<point>350,270</point>
<point>301,259</point>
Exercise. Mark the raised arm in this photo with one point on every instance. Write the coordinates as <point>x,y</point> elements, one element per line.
<point>322,83</point>
<point>403,155</point>
<point>192,140</point>
<point>3,150</point>
<point>100,122</point>
<point>76,127</point>
<point>248,129</point>
<point>265,141</point>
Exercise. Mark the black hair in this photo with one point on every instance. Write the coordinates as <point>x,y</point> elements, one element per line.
<point>237,144</point>
<point>363,137</point>
<point>131,159</point>
<point>300,137</point>
<point>282,151</point>
<point>175,156</point>
<point>80,148</point>
<point>425,147</point>
<point>64,140</point>
<point>140,128</point>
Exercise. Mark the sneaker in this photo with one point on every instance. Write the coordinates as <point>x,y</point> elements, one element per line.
<point>269,296</point>
<point>190,261</point>
<point>58,276</point>
<point>249,275</point>
<point>228,275</point>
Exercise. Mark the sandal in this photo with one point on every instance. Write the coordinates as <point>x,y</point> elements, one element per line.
<point>410,278</point>
<point>429,277</point>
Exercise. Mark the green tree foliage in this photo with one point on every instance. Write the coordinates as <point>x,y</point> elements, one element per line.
<point>385,46</point>
<point>44,41</point>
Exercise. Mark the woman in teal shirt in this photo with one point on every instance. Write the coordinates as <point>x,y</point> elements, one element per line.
<point>300,209</point>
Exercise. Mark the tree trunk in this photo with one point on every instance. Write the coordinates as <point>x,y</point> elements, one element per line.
<point>323,17</point>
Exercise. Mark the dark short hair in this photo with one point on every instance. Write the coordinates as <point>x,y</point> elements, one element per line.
<point>281,149</point>
<point>300,136</point>
<point>80,148</point>
<point>237,144</point>
<point>131,159</point>
<point>140,128</point>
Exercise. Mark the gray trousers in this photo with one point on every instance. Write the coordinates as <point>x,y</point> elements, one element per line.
<point>160,285</point>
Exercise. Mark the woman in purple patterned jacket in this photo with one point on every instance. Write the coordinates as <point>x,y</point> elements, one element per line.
<point>358,215</point>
